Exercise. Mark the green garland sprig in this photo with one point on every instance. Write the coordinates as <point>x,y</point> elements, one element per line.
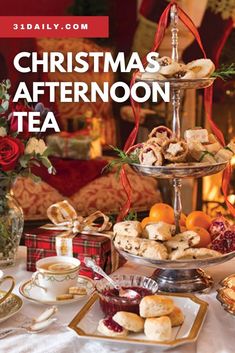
<point>224,72</point>
<point>123,158</point>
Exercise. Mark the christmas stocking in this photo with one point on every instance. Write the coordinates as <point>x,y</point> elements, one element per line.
<point>214,30</point>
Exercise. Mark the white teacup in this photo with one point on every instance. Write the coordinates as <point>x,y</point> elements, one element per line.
<point>4,279</point>
<point>55,275</point>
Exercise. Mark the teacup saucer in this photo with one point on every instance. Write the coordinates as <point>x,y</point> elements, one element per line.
<point>32,293</point>
<point>10,306</point>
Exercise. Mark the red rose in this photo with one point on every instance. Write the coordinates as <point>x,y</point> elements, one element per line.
<point>25,134</point>
<point>10,150</point>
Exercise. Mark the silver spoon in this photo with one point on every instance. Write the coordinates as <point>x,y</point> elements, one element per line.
<point>126,293</point>
<point>34,328</point>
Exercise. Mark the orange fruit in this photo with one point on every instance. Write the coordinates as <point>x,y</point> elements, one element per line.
<point>205,237</point>
<point>146,221</point>
<point>162,212</point>
<point>198,219</point>
<point>183,219</point>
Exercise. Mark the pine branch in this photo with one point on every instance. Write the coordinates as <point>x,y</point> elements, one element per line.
<point>225,72</point>
<point>123,158</point>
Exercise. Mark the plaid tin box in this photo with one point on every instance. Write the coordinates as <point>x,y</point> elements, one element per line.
<point>41,243</point>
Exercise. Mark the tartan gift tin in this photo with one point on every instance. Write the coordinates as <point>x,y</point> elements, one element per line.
<point>42,243</point>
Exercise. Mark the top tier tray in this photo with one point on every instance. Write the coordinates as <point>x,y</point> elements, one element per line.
<point>181,84</point>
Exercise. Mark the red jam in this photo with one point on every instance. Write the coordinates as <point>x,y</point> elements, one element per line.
<point>111,303</point>
<point>112,325</point>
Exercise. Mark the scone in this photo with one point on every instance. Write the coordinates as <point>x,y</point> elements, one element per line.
<point>158,231</point>
<point>130,321</point>
<point>108,327</point>
<point>182,241</point>
<point>141,247</point>
<point>194,253</point>
<point>176,317</point>
<point>158,329</point>
<point>156,305</point>
<point>130,228</point>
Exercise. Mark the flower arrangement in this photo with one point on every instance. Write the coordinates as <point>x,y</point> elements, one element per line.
<point>19,150</point>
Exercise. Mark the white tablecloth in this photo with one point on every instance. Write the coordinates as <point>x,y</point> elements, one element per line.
<point>217,335</point>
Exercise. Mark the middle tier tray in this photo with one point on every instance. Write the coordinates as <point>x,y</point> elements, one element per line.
<point>179,170</point>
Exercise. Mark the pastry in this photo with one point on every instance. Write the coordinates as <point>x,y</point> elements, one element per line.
<point>175,151</point>
<point>184,74</point>
<point>193,253</point>
<point>64,297</point>
<point>151,155</point>
<point>130,228</point>
<point>158,231</point>
<point>213,148</point>
<point>152,76</point>
<point>141,247</point>
<point>154,141</point>
<point>182,241</point>
<point>201,67</point>
<point>196,134</point>
<point>158,329</point>
<point>108,327</point>
<point>225,153</point>
<point>155,305</point>
<point>168,69</point>
<point>161,133</point>
<point>198,152</point>
<point>176,317</point>
<point>77,291</point>
<point>130,321</point>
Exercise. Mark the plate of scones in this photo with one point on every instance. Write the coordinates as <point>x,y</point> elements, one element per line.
<point>162,321</point>
<point>202,241</point>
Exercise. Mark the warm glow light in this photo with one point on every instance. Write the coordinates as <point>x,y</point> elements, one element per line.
<point>231,199</point>
<point>233,161</point>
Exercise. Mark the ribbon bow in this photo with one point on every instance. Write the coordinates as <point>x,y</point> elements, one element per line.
<point>64,217</point>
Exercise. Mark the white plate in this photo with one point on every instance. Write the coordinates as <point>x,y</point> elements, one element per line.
<point>10,306</point>
<point>86,321</point>
<point>33,293</point>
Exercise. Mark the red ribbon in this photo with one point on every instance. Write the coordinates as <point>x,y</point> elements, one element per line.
<point>162,25</point>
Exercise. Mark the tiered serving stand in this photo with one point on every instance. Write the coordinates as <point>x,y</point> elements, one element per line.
<point>179,275</point>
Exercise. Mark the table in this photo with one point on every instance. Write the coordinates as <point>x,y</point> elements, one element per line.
<point>217,335</point>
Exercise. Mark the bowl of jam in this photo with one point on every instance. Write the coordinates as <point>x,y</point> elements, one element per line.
<point>111,302</point>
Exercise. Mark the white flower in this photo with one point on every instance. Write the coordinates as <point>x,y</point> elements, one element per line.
<point>35,146</point>
<point>3,131</point>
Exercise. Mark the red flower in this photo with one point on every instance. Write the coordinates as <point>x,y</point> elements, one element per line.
<point>10,150</point>
<point>25,134</point>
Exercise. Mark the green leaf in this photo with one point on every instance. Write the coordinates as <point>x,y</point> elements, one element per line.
<point>224,72</point>
<point>45,161</point>
<point>132,216</point>
<point>24,160</point>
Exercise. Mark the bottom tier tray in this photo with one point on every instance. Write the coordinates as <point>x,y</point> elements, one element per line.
<point>180,275</point>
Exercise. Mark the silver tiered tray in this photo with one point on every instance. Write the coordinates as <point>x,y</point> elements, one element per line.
<point>181,83</point>
<point>179,170</point>
<point>180,275</point>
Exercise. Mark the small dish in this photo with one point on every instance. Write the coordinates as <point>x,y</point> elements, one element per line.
<point>30,292</point>
<point>111,302</point>
<point>10,306</point>
<point>194,309</point>
<point>226,294</point>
